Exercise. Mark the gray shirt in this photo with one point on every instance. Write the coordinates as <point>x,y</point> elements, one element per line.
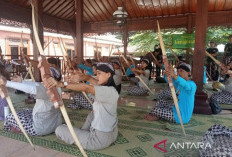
<point>118,77</point>
<point>145,78</point>
<point>105,108</point>
<point>45,117</point>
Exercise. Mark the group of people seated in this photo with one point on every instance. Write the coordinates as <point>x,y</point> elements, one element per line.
<point>102,81</point>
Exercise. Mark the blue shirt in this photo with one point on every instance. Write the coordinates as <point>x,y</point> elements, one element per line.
<point>128,71</point>
<point>88,69</point>
<point>204,75</point>
<point>186,98</point>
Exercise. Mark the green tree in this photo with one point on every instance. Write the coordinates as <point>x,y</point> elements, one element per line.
<point>145,40</point>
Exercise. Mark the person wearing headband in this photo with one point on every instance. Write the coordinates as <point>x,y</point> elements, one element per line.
<point>185,89</point>
<point>43,119</point>
<point>100,128</point>
<point>145,75</point>
<point>118,74</point>
<point>225,96</point>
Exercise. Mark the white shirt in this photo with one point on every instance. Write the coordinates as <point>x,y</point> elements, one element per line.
<point>105,108</point>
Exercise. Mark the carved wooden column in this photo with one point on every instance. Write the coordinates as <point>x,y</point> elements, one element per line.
<point>189,30</point>
<point>78,40</point>
<point>125,39</point>
<point>201,104</point>
<point>38,22</point>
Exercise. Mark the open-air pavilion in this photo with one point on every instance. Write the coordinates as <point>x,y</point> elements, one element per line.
<point>85,17</point>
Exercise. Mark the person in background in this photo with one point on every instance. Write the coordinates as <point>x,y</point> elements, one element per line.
<point>225,96</point>
<point>87,66</point>
<point>145,75</point>
<point>130,73</point>
<point>118,74</point>
<point>158,54</point>
<point>211,66</point>
<point>228,50</point>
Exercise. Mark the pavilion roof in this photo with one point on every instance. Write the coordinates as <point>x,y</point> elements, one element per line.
<point>97,14</point>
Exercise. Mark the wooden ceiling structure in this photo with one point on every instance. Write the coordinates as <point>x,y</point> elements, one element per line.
<point>97,14</point>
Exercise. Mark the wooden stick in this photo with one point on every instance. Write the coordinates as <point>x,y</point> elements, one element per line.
<point>122,66</point>
<point>110,52</point>
<point>157,63</point>
<point>23,55</point>
<point>174,54</point>
<point>62,108</point>
<point>172,88</point>
<point>48,44</point>
<point>69,64</point>
<point>215,60</point>
<point>18,121</point>
<point>4,94</point>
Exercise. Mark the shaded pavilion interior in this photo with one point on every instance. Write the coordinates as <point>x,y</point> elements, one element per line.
<point>83,17</point>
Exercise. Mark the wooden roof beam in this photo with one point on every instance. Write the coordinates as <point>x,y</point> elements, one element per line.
<point>214,19</point>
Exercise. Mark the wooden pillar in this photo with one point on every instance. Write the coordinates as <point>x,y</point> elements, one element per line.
<point>189,30</point>
<point>201,105</point>
<point>125,39</point>
<point>38,22</point>
<point>78,40</point>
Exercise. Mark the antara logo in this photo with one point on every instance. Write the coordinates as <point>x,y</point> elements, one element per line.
<point>162,142</point>
<point>183,145</point>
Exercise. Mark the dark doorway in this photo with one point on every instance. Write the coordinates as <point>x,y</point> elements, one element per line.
<point>14,52</point>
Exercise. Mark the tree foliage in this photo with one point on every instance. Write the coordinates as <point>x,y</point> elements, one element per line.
<point>145,40</point>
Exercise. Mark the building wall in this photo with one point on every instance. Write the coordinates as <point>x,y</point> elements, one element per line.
<point>11,41</point>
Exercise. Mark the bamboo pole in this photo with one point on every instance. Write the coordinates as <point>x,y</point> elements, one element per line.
<point>62,108</point>
<point>165,59</point>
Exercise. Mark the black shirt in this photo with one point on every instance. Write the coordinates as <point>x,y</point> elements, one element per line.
<point>159,56</point>
<point>228,48</point>
<point>211,51</point>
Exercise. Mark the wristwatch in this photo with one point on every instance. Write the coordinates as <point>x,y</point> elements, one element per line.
<point>65,84</point>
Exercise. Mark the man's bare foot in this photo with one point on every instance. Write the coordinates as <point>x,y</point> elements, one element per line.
<point>150,117</point>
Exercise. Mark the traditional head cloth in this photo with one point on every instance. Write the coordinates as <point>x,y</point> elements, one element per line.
<point>116,62</point>
<point>105,67</point>
<point>185,67</point>
<point>54,61</point>
<point>55,73</point>
<point>145,60</point>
